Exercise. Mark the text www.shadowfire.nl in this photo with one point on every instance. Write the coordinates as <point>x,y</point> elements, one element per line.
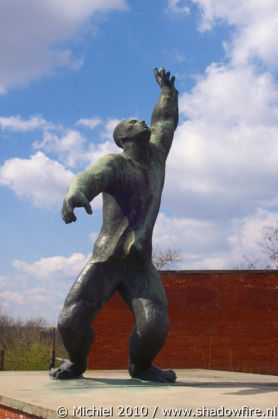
<point>146,412</point>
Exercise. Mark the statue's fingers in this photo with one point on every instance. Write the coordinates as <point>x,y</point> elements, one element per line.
<point>88,208</point>
<point>167,75</point>
<point>69,217</point>
<point>65,210</point>
<point>156,74</point>
<point>162,71</point>
<point>173,80</point>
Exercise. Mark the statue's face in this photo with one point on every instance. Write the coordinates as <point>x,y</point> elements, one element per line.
<point>135,130</point>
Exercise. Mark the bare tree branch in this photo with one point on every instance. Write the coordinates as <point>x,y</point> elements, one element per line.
<point>269,247</point>
<point>163,258</point>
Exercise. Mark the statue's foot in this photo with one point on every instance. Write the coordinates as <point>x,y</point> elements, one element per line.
<point>154,373</point>
<point>67,370</point>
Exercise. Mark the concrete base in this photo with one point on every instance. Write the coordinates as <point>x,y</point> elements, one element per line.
<point>115,394</point>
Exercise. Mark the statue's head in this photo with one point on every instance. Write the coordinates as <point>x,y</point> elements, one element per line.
<point>131,130</point>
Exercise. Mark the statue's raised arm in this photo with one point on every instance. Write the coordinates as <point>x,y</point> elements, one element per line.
<point>165,114</point>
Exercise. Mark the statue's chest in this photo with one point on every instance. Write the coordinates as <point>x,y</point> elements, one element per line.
<point>144,178</point>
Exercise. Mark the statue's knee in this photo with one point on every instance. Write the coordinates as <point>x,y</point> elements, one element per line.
<point>154,329</point>
<point>64,323</point>
<point>68,320</point>
<point>75,317</point>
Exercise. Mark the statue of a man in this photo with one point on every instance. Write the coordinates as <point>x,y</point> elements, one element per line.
<point>131,183</point>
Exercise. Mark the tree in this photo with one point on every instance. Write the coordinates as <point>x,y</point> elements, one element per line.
<point>269,247</point>
<point>7,335</point>
<point>165,258</point>
<point>6,323</point>
<point>24,345</point>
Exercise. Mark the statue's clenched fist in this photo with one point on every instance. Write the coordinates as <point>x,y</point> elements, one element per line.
<point>73,201</point>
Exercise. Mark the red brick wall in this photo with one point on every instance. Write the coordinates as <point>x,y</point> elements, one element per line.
<point>225,320</point>
<point>10,413</point>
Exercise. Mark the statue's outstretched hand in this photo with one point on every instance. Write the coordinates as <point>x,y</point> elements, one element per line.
<point>73,201</point>
<point>163,79</point>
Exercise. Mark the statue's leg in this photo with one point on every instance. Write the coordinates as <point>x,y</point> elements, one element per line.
<point>145,295</point>
<point>93,287</point>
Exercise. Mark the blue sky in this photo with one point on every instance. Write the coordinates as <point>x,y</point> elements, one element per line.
<point>71,70</point>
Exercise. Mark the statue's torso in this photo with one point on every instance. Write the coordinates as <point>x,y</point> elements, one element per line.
<point>130,208</point>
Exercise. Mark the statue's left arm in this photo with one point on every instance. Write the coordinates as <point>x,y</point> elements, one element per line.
<point>165,114</point>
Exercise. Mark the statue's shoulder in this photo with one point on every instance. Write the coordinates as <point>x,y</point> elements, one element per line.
<point>157,153</point>
<point>114,160</point>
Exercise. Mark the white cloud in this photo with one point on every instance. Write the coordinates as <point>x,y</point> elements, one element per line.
<point>35,291</point>
<point>109,128</point>
<point>33,32</point>
<point>39,288</point>
<point>96,152</point>
<point>229,95</point>
<point>225,149</point>
<point>89,122</point>
<point>200,243</point>
<point>167,232</point>
<point>11,296</point>
<point>93,236</point>
<point>232,116</point>
<point>213,244</point>
<point>69,147</point>
<point>248,233</point>
<point>37,295</point>
<point>73,148</point>
<point>106,147</point>
<point>255,23</point>
<point>178,6</point>
<point>52,268</point>
<point>17,123</point>
<point>223,171</point>
<point>43,180</point>
<point>3,280</point>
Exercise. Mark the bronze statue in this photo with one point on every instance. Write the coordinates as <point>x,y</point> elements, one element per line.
<point>131,183</point>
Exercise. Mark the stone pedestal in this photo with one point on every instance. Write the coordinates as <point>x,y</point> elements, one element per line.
<point>114,394</point>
